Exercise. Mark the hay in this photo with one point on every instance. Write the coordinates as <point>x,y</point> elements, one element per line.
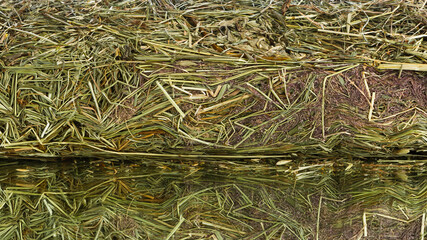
<point>152,199</point>
<point>160,77</point>
<point>238,120</point>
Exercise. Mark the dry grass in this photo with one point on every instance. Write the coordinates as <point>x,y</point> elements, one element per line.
<point>237,120</point>
<point>161,77</point>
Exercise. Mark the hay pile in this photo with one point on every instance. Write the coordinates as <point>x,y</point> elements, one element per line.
<point>191,93</point>
<point>152,199</point>
<point>197,78</point>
